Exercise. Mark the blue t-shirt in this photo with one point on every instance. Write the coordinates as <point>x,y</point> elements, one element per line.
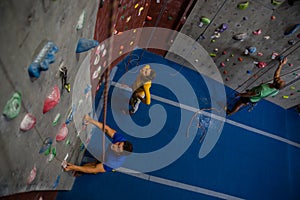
<point>114,160</point>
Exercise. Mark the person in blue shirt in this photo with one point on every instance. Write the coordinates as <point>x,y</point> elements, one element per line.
<point>114,156</point>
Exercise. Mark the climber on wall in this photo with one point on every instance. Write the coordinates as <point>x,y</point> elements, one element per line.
<point>259,92</point>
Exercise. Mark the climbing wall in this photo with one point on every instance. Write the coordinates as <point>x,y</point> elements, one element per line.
<point>271,27</point>
<point>32,150</point>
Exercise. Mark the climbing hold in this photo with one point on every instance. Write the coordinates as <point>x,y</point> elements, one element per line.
<point>121,47</point>
<point>261,64</point>
<point>80,21</point>
<point>224,52</point>
<point>32,175</point>
<point>280,58</point>
<point>28,122</point>
<point>71,114</point>
<point>225,72</point>
<point>13,106</point>
<point>140,10</point>
<point>240,36</point>
<point>240,59</point>
<point>212,55</point>
<point>291,64</point>
<point>292,88</point>
<point>266,37</point>
<point>62,133</point>
<point>226,79</point>
<point>292,30</point>
<point>257,32</point>
<point>170,18</point>
<point>222,64</point>
<point>56,119</point>
<point>216,50</point>
<point>52,154</point>
<point>249,50</point>
<point>136,5</point>
<point>291,42</point>
<point>273,17</point>
<point>232,55</point>
<point>52,100</point>
<point>43,59</point>
<point>46,145</point>
<point>276,3</point>
<point>252,49</point>
<point>128,19</point>
<point>131,43</point>
<point>56,182</point>
<point>245,18</point>
<point>203,20</point>
<point>216,35</point>
<point>249,72</point>
<point>260,54</point>
<point>148,18</point>
<point>223,27</point>
<point>285,97</point>
<point>274,55</point>
<point>227,60</point>
<point>85,44</point>
<point>243,5</point>
<point>213,41</point>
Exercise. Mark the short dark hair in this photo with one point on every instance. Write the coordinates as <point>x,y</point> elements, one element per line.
<point>128,147</point>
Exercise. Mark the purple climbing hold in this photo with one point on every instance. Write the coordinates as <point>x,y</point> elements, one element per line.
<point>222,28</point>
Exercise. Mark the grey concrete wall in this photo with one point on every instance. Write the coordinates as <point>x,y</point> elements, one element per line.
<point>241,75</point>
<point>25,27</point>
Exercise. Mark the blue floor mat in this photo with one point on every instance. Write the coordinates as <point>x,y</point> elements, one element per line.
<point>256,155</point>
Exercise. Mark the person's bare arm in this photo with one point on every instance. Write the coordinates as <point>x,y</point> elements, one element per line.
<point>98,168</point>
<point>109,131</point>
<point>279,68</point>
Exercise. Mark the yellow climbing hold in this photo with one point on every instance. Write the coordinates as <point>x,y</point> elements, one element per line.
<point>136,5</point>
<point>292,88</point>
<point>131,43</point>
<point>285,97</point>
<point>128,19</point>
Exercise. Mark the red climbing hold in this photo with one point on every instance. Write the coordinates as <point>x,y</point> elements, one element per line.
<point>149,18</point>
<point>257,32</point>
<point>261,64</point>
<point>62,133</point>
<point>52,100</point>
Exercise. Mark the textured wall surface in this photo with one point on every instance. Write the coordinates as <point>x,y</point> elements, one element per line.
<point>25,28</point>
<point>239,71</point>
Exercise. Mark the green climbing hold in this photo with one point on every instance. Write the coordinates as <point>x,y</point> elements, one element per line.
<point>243,5</point>
<point>13,106</point>
<point>170,18</point>
<point>205,20</point>
<point>47,152</point>
<point>56,119</point>
<point>212,55</point>
<point>276,3</point>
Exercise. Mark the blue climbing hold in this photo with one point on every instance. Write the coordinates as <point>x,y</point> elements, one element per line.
<point>85,45</point>
<point>41,63</point>
<point>292,30</point>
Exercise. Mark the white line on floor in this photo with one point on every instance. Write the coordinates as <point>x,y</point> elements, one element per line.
<point>192,109</point>
<point>176,184</point>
